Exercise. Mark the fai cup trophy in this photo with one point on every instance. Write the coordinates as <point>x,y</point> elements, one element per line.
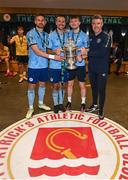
<point>70,51</point>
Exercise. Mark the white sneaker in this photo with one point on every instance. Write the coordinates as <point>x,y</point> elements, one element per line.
<point>29,113</point>
<point>21,80</point>
<point>43,106</point>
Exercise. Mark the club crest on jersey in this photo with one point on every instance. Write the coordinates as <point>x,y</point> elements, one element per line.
<point>98,40</point>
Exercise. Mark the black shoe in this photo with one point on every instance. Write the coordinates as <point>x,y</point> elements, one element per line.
<point>117,73</point>
<point>68,106</point>
<point>101,115</point>
<point>56,109</point>
<point>93,108</point>
<point>82,107</point>
<point>62,108</point>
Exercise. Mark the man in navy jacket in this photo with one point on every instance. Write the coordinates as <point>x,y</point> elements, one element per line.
<point>98,64</point>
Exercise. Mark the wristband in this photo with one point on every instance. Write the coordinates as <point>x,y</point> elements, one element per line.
<point>51,56</point>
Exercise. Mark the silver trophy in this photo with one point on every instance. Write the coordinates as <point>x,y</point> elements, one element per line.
<point>70,51</point>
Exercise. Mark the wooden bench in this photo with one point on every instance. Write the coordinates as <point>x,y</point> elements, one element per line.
<point>123,69</point>
<point>125,63</point>
<point>13,66</point>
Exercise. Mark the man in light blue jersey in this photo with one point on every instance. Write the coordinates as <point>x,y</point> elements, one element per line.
<point>57,73</point>
<point>81,41</point>
<point>38,63</point>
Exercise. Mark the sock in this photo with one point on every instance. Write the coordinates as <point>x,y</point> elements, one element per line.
<point>31,107</point>
<point>61,96</point>
<point>31,97</point>
<point>41,92</point>
<point>21,75</point>
<point>24,73</point>
<point>95,105</point>
<point>63,93</point>
<point>55,95</point>
<point>69,99</point>
<point>83,100</point>
<point>8,70</point>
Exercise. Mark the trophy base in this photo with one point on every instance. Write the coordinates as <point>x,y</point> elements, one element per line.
<point>71,67</point>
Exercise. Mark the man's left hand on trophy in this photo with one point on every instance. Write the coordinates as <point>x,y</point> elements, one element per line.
<point>58,51</point>
<point>84,52</point>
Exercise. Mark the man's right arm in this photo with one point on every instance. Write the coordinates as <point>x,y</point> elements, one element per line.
<point>39,52</point>
<point>32,42</point>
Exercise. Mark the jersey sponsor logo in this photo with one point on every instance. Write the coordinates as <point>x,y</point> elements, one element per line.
<point>66,145</point>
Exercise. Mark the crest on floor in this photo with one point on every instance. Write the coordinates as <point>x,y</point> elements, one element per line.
<point>70,145</point>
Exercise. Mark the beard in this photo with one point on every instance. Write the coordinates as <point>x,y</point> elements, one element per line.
<point>61,27</point>
<point>40,26</point>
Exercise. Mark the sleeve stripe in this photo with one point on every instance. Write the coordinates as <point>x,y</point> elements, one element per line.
<point>32,44</point>
<point>108,40</point>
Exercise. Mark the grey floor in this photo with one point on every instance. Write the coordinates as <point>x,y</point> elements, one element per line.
<point>13,99</point>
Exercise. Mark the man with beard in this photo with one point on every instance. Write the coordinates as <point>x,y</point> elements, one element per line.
<point>57,73</point>
<point>38,63</point>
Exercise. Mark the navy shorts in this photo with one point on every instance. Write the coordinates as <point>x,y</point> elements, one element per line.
<point>55,76</point>
<point>36,75</point>
<point>79,72</point>
<point>22,59</point>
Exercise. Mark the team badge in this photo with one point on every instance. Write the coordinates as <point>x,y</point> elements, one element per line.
<point>31,79</point>
<point>98,40</point>
<point>51,79</point>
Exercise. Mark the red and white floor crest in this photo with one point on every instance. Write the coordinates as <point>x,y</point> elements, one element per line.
<point>70,145</point>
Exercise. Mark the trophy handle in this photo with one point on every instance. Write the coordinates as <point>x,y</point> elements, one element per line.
<point>79,50</point>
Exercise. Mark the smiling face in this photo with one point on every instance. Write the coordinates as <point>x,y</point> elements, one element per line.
<point>74,23</point>
<point>40,21</point>
<point>97,25</point>
<point>60,22</point>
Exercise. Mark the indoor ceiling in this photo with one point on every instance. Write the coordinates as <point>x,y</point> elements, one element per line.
<point>68,4</point>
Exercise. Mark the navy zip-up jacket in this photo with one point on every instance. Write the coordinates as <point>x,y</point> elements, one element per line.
<point>99,52</point>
